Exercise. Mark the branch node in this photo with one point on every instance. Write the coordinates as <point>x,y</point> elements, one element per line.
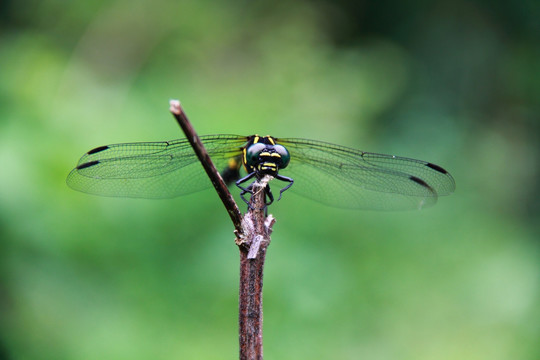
<point>255,245</point>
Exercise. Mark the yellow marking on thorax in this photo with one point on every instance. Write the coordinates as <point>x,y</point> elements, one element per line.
<point>244,155</point>
<point>233,164</point>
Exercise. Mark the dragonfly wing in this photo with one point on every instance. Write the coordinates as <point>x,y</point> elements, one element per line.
<point>349,178</point>
<point>151,169</point>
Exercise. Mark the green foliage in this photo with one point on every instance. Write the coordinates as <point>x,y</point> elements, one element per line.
<point>86,277</point>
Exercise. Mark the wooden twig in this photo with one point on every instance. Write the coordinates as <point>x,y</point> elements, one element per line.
<point>213,174</point>
<point>252,237</point>
<point>257,230</point>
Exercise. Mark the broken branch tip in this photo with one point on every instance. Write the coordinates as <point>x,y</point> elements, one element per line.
<point>175,106</point>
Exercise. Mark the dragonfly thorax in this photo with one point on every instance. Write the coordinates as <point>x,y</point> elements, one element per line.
<point>264,157</point>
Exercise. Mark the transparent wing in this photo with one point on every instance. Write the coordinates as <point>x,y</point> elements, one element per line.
<point>151,169</point>
<point>349,178</point>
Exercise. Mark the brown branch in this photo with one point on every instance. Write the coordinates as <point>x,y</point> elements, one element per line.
<point>253,237</point>
<point>208,165</point>
<point>256,239</point>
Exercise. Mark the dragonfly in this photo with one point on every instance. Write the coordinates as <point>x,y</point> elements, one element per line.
<point>331,174</point>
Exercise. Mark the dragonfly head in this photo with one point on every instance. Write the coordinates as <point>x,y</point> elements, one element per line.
<point>265,157</point>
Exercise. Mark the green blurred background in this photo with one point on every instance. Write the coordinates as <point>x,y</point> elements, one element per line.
<point>453,82</point>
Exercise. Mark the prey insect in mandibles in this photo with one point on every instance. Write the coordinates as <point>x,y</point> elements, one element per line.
<point>331,174</point>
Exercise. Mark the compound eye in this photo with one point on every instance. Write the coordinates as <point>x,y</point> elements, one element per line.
<point>285,156</point>
<point>253,152</point>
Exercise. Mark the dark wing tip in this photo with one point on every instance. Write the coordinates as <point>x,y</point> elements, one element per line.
<point>87,164</point>
<point>420,182</point>
<point>436,168</point>
<point>98,149</point>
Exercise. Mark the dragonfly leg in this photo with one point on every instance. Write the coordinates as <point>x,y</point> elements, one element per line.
<point>268,195</point>
<point>287,179</point>
<point>245,190</point>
